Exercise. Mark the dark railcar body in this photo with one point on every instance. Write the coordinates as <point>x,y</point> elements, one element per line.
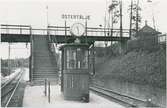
<point>75,72</point>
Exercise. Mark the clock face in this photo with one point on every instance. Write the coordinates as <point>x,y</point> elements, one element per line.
<point>77,29</point>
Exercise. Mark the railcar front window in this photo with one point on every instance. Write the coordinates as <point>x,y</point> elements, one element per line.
<point>82,58</point>
<point>85,60</point>
<point>71,59</point>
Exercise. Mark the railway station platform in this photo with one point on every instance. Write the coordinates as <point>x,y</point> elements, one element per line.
<point>34,97</point>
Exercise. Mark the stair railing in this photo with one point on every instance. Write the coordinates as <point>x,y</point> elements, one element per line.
<point>51,44</point>
<point>32,55</point>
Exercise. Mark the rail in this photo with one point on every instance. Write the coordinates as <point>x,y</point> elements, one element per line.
<point>8,89</point>
<point>130,97</point>
<point>110,97</point>
<point>121,98</point>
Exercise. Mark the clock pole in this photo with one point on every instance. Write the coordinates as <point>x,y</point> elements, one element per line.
<point>86,23</point>
<point>65,31</point>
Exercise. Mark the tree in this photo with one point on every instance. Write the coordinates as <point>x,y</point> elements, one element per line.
<point>135,18</point>
<point>114,14</point>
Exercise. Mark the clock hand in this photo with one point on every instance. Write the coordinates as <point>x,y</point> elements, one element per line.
<point>78,29</point>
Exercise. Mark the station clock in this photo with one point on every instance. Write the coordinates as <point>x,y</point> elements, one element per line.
<point>77,29</point>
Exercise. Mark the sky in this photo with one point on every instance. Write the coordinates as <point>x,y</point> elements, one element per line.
<point>34,13</point>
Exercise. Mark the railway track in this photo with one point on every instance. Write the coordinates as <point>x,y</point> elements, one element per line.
<point>124,100</point>
<point>8,88</point>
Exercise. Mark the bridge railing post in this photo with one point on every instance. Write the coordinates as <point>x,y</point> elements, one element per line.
<point>45,91</point>
<point>65,31</point>
<point>86,23</point>
<point>32,55</point>
<point>20,30</point>
<point>7,30</point>
<point>49,91</point>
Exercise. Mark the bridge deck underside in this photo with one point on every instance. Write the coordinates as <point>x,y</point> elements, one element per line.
<point>59,38</point>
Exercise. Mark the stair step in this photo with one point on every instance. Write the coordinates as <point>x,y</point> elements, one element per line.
<point>45,73</point>
<point>40,65</point>
<point>45,70</point>
<point>41,56</point>
<point>42,81</point>
<point>36,77</point>
<point>41,71</point>
<point>50,72</point>
<point>45,76</point>
<point>40,53</point>
<point>43,64</point>
<point>44,67</point>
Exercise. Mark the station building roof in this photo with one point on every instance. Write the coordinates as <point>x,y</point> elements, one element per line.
<point>147,30</point>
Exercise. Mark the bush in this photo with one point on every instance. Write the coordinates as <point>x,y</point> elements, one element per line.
<point>142,67</point>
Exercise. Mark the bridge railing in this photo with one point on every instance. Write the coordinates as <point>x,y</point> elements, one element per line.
<point>60,30</point>
<point>106,32</point>
<point>39,31</point>
<point>15,29</point>
<point>90,31</point>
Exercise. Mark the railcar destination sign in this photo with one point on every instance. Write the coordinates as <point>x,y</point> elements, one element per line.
<point>70,16</point>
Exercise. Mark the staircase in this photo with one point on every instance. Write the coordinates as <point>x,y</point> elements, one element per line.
<point>44,63</point>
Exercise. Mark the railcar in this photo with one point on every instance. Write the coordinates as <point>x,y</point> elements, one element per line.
<point>75,71</point>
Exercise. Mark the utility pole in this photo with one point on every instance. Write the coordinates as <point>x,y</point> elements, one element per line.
<point>9,68</point>
<point>112,17</point>
<point>131,13</point>
<point>121,34</point>
<point>47,20</point>
<point>121,18</point>
<point>153,18</point>
<point>154,22</point>
<point>137,18</point>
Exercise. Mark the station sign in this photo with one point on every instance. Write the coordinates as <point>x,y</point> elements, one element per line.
<point>75,17</point>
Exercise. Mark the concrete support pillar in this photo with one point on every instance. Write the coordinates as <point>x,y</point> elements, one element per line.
<point>123,47</point>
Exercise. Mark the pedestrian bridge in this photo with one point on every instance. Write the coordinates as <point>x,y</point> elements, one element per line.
<point>60,34</point>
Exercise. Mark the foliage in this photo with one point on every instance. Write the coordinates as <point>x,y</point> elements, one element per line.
<point>139,67</point>
<point>135,17</point>
<point>114,11</point>
<point>13,63</point>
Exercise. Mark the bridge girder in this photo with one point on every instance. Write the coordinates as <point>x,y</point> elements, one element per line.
<point>25,38</point>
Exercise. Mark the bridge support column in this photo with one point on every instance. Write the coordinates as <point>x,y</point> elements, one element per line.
<point>31,57</point>
<point>123,47</point>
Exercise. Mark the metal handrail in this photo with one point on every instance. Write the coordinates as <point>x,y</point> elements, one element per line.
<point>16,28</point>
<point>90,31</point>
<point>15,25</point>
